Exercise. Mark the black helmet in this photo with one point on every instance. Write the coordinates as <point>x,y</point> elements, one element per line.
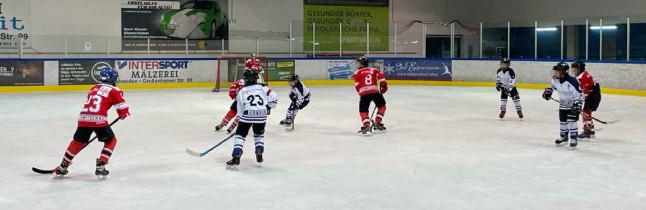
<point>250,76</point>
<point>505,60</point>
<point>579,65</point>
<point>561,66</point>
<point>363,61</point>
<point>292,77</point>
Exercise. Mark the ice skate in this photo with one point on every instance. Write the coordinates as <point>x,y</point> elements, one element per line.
<point>259,159</point>
<point>234,163</point>
<point>573,144</point>
<point>502,114</point>
<point>231,128</point>
<point>587,134</point>
<point>380,127</point>
<point>520,114</point>
<point>61,170</point>
<point>365,129</point>
<point>560,141</point>
<point>219,127</point>
<point>101,173</point>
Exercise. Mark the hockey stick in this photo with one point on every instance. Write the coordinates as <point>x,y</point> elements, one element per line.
<point>41,171</point>
<point>594,118</point>
<point>193,153</point>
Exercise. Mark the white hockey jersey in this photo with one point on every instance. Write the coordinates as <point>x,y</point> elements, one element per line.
<point>569,91</point>
<point>300,92</point>
<point>506,77</point>
<point>253,102</point>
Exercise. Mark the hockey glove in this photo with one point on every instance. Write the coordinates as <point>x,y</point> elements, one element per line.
<point>268,109</point>
<point>547,94</point>
<point>498,86</point>
<point>293,97</point>
<point>384,87</point>
<point>509,88</point>
<point>576,108</point>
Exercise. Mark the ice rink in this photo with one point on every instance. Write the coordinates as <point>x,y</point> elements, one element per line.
<point>445,148</point>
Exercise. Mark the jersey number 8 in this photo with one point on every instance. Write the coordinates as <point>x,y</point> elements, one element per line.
<point>369,79</point>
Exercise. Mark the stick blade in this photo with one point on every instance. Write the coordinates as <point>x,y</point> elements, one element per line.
<point>41,171</point>
<point>193,153</point>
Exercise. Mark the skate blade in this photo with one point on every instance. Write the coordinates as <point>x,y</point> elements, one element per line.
<point>232,167</point>
<point>259,165</point>
<point>101,177</point>
<point>561,144</point>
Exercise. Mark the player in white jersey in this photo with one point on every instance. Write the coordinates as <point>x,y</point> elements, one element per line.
<point>254,104</point>
<point>506,84</point>
<point>570,101</point>
<point>300,96</point>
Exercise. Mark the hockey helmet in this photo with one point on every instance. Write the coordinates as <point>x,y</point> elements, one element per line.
<point>108,75</point>
<point>250,76</point>
<point>292,77</point>
<point>579,65</point>
<point>505,60</point>
<point>363,61</point>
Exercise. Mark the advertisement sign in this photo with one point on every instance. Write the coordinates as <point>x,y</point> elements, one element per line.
<point>417,69</point>
<point>167,24</point>
<point>81,72</point>
<point>153,71</point>
<point>22,73</point>
<point>351,16</point>
<point>14,24</point>
<point>340,69</point>
<point>279,70</point>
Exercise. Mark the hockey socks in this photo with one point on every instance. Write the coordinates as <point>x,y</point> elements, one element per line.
<point>364,119</point>
<point>107,150</point>
<point>380,113</point>
<point>74,148</point>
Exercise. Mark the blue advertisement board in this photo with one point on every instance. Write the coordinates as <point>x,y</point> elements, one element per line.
<point>417,69</point>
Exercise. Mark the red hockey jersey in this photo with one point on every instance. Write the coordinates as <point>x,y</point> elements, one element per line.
<point>235,87</point>
<point>586,81</point>
<point>253,64</point>
<point>99,100</point>
<point>365,80</point>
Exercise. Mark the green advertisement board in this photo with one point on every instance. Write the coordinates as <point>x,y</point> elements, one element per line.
<point>350,18</point>
<point>279,69</point>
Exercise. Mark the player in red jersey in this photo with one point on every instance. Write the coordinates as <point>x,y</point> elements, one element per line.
<point>93,119</point>
<point>591,96</point>
<point>233,92</point>
<point>253,63</point>
<point>365,82</point>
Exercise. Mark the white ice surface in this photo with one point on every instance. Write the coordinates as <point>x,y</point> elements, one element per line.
<point>445,149</point>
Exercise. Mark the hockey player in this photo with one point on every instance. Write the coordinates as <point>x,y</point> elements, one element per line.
<point>300,96</point>
<point>591,97</point>
<point>233,91</point>
<point>570,99</point>
<point>365,82</point>
<point>506,84</point>
<point>254,103</point>
<point>254,64</point>
<point>93,119</point>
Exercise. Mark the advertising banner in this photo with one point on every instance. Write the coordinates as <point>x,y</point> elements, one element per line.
<point>167,24</point>
<point>14,24</point>
<point>154,71</point>
<point>349,16</point>
<point>22,73</point>
<point>279,70</point>
<point>417,69</point>
<point>340,69</point>
<point>81,72</point>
